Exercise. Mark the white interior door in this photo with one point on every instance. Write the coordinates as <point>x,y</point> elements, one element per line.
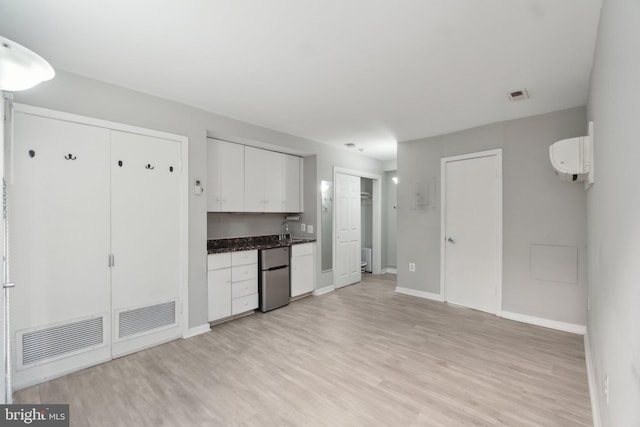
<point>472,231</point>
<point>59,219</point>
<point>145,224</point>
<point>347,208</point>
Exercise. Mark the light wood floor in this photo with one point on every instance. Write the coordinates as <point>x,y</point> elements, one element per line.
<point>359,356</point>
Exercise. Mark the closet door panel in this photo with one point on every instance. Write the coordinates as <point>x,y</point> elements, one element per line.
<point>145,214</point>
<point>59,246</point>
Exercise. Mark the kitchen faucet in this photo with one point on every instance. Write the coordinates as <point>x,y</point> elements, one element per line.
<point>285,227</point>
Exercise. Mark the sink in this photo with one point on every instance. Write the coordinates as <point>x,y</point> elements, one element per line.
<point>298,239</point>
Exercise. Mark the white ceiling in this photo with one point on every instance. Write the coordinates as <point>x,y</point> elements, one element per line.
<point>369,72</point>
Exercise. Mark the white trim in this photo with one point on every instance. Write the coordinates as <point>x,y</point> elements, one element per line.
<point>498,154</point>
<point>546,323</point>
<point>419,294</point>
<point>325,290</point>
<point>198,330</point>
<point>184,186</point>
<point>390,270</point>
<point>592,379</point>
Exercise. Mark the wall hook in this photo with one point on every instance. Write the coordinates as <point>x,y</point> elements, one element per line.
<point>170,168</point>
<point>32,154</point>
<point>70,157</point>
<point>120,163</point>
<point>149,167</point>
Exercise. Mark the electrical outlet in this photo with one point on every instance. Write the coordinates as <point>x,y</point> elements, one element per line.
<point>412,266</point>
<point>310,229</point>
<point>605,388</point>
<point>303,227</point>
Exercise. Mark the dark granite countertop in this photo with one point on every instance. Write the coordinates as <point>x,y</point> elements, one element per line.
<point>216,246</point>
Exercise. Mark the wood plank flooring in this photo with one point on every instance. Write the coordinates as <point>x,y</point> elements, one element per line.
<point>360,356</point>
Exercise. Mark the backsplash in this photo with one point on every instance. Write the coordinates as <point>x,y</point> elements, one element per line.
<point>230,225</point>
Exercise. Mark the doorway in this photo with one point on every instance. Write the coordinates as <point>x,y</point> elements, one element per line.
<point>347,239</point>
<point>471,243</point>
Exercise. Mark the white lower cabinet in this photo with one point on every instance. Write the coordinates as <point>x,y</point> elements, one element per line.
<point>233,283</point>
<point>302,269</point>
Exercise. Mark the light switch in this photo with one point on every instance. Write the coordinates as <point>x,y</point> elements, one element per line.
<point>310,229</point>
<point>197,187</point>
<point>303,227</point>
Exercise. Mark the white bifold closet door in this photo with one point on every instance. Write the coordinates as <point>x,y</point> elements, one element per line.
<point>59,246</point>
<point>95,240</point>
<point>145,232</point>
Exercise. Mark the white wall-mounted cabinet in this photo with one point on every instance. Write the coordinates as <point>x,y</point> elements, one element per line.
<point>272,181</point>
<point>249,179</point>
<point>233,283</point>
<point>225,183</point>
<point>292,184</point>
<point>302,269</point>
<point>96,247</point>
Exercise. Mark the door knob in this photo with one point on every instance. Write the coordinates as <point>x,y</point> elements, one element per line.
<point>450,240</point>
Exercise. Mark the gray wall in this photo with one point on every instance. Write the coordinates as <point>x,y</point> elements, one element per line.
<point>226,225</point>
<point>390,220</point>
<point>79,95</point>
<point>614,214</point>
<point>538,208</point>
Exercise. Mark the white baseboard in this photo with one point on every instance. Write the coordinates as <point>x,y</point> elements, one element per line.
<point>390,270</point>
<point>192,332</point>
<point>552,324</point>
<point>420,294</point>
<point>591,377</point>
<point>324,290</point>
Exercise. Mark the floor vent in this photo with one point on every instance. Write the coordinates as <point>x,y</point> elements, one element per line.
<point>146,319</point>
<point>49,343</point>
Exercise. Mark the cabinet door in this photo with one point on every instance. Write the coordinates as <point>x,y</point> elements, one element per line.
<point>145,240</point>
<point>214,196</point>
<point>231,168</point>
<point>273,179</point>
<point>302,275</point>
<point>59,213</point>
<point>254,171</point>
<point>302,269</point>
<point>219,285</point>
<point>291,184</point>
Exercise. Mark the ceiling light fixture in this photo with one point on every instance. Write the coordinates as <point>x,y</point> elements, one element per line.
<point>20,68</point>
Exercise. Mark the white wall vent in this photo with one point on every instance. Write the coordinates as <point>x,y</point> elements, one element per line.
<point>518,95</point>
<point>44,345</point>
<point>146,319</point>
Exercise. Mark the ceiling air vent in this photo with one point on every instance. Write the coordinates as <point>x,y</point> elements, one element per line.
<point>518,95</point>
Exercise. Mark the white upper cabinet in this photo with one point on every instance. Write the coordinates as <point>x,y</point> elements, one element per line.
<point>292,184</point>
<point>225,189</point>
<point>255,170</point>
<point>272,181</point>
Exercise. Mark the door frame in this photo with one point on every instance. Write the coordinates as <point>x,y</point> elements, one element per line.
<point>184,188</point>
<point>443,219</point>
<point>376,221</point>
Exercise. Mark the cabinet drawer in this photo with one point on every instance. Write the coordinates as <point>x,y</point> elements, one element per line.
<point>242,304</point>
<point>244,288</point>
<point>244,272</point>
<point>244,257</point>
<point>302,249</point>
<point>216,261</point>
